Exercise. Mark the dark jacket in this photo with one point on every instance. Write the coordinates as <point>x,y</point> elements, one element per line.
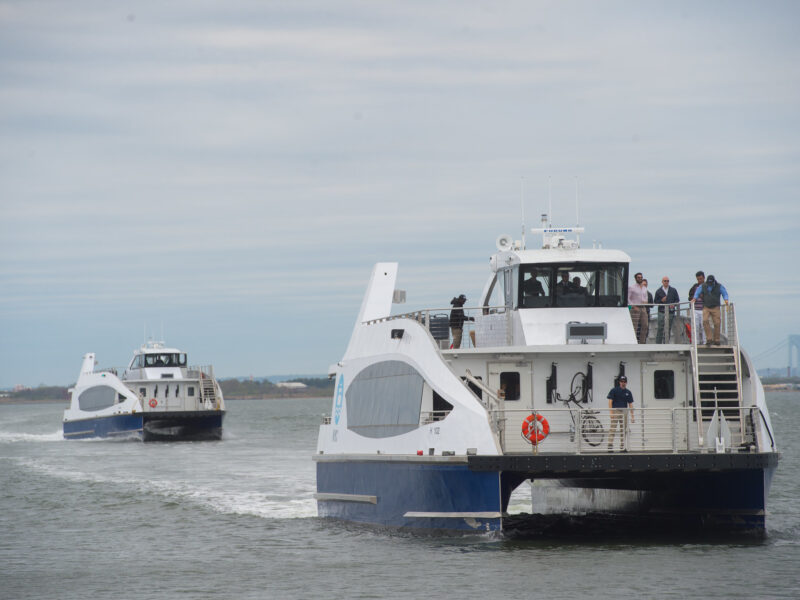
<point>698,304</point>
<point>457,318</point>
<point>671,295</point>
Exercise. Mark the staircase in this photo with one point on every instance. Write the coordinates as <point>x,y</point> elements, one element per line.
<point>207,391</point>
<point>717,385</point>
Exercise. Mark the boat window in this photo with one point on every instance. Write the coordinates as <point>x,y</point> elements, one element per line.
<point>137,362</point>
<point>143,392</point>
<point>572,285</point>
<point>97,398</point>
<point>384,400</point>
<point>535,287</point>
<point>164,360</point>
<point>664,385</point>
<point>191,390</point>
<point>611,288</point>
<point>509,385</point>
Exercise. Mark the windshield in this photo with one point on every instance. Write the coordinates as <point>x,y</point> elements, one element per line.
<point>572,285</point>
<point>162,359</point>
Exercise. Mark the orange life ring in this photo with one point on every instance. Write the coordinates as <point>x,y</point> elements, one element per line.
<point>535,428</point>
<point>153,402</point>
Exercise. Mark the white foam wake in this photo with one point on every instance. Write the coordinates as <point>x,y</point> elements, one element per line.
<point>299,505</point>
<point>16,436</point>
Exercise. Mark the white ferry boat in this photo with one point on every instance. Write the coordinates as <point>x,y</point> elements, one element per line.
<point>427,435</point>
<point>158,397</point>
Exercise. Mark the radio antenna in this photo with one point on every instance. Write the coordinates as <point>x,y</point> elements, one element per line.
<point>522,205</point>
<point>550,201</point>
<point>577,212</point>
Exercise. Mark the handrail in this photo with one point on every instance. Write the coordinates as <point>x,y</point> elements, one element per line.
<point>766,426</point>
<point>696,383</point>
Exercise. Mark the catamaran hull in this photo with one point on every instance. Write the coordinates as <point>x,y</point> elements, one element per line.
<point>728,501</point>
<point>149,427</point>
<point>183,426</point>
<point>408,493</point>
<point>127,425</point>
<point>471,495</point>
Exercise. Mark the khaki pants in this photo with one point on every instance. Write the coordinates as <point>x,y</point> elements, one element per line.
<point>457,333</point>
<point>711,315</point>
<point>640,322</point>
<point>619,420</point>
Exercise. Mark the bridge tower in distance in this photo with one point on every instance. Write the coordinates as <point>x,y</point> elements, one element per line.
<point>794,344</point>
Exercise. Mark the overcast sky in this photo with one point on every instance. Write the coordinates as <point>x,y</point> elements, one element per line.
<point>228,172</point>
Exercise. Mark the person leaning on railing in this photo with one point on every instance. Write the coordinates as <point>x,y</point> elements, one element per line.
<point>711,291</point>
<point>457,319</point>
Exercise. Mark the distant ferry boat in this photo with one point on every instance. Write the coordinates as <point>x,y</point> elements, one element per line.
<point>428,433</point>
<point>158,397</point>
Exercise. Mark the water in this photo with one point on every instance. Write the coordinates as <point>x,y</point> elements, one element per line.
<point>236,519</point>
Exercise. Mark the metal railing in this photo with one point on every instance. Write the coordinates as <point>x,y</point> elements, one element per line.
<point>491,326</point>
<point>488,326</point>
<point>587,431</point>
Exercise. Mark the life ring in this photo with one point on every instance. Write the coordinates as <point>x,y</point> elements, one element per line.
<point>153,402</point>
<point>534,432</point>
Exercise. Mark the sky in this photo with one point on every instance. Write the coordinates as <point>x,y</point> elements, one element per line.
<point>223,175</point>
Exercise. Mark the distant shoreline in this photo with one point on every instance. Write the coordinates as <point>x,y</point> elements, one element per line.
<point>66,402</point>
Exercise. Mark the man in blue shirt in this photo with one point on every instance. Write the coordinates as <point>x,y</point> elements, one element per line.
<point>711,291</point>
<point>620,401</point>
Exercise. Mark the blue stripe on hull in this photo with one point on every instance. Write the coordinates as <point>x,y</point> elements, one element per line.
<point>112,426</point>
<point>447,495</point>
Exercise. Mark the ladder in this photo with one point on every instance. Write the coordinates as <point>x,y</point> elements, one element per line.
<point>718,387</point>
<point>208,392</point>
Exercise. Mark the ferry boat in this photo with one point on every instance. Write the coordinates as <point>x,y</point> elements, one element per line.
<point>158,397</point>
<point>424,433</point>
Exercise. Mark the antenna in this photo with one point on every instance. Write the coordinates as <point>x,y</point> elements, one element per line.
<point>550,200</point>
<point>522,204</point>
<point>577,213</point>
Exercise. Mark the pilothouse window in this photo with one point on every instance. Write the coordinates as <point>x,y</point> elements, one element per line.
<point>572,285</point>
<point>164,360</point>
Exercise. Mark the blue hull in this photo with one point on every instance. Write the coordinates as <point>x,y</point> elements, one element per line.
<point>426,494</point>
<point>103,427</point>
<point>162,426</point>
<point>415,494</point>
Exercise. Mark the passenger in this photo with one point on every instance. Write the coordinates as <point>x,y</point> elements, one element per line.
<point>710,292</point>
<point>565,285</point>
<point>666,294</point>
<point>532,287</point>
<point>697,322</point>
<point>620,399</point>
<point>457,319</point>
<point>577,287</point>
<point>637,298</point>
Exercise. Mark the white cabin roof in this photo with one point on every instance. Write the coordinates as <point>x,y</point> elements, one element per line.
<point>558,255</point>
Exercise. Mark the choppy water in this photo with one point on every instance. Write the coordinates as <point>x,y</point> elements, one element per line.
<point>236,519</point>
